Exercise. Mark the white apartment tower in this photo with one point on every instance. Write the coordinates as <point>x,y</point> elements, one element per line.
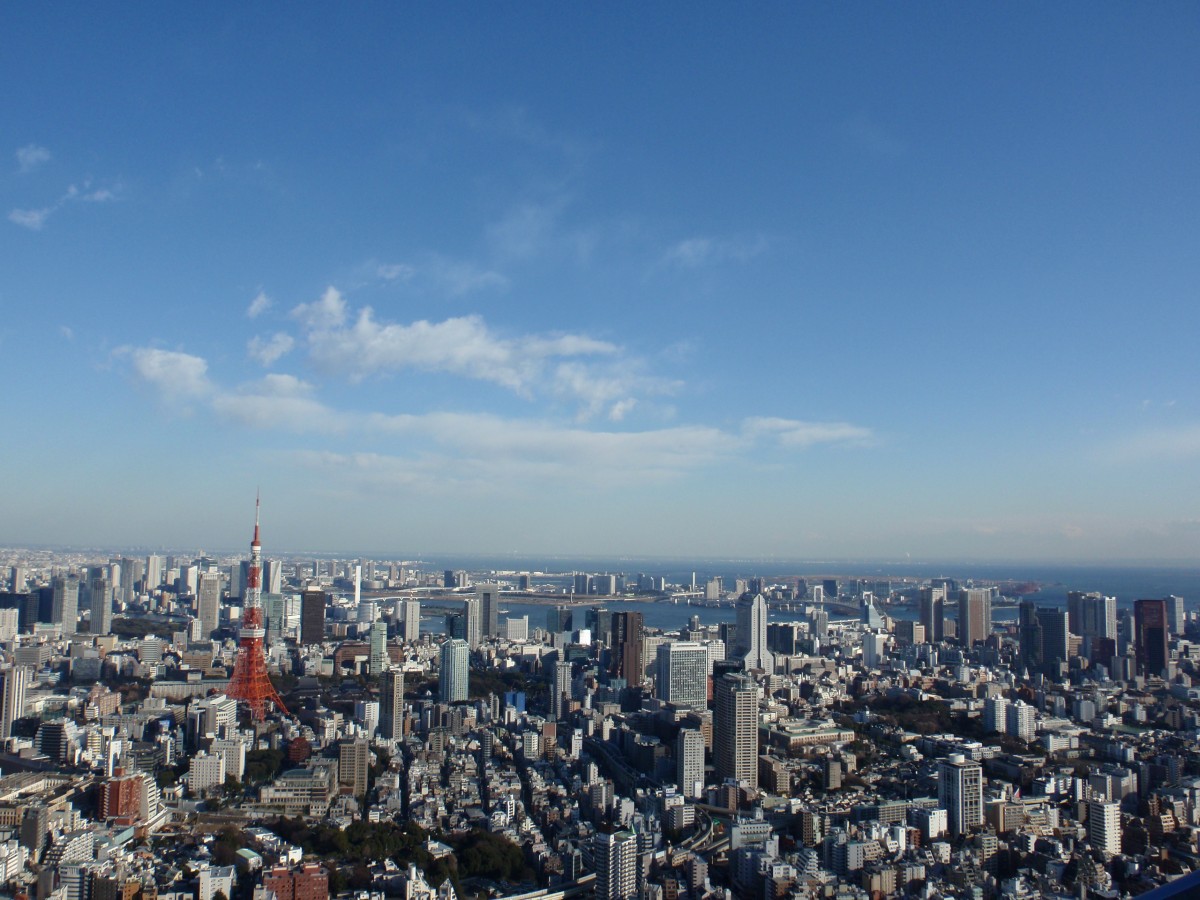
<point>960,792</point>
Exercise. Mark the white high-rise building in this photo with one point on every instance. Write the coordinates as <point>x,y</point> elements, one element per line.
<point>65,609</point>
<point>682,675</point>
<point>516,628</point>
<point>9,623</point>
<point>1021,721</point>
<point>960,793</point>
<point>454,671</point>
<point>615,858</point>
<point>995,715</point>
<point>689,762</point>
<point>411,615</point>
<point>154,572</point>
<point>472,613</point>
<point>1104,826</point>
<point>735,728</point>
<point>13,682</point>
<point>752,633</point>
<point>367,713</point>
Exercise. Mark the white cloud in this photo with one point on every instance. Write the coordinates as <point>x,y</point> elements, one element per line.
<point>30,157</point>
<point>703,251</point>
<point>279,401</point>
<point>67,332</point>
<point>449,276</point>
<point>259,305</point>
<point>465,346</point>
<point>796,434</point>
<point>267,352</point>
<point>395,271</point>
<point>176,375</point>
<point>33,219</point>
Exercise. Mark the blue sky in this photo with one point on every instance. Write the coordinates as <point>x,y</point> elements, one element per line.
<point>796,280</point>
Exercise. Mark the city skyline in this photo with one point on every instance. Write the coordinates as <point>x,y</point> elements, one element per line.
<point>774,283</point>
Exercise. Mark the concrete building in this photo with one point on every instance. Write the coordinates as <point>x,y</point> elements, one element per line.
<point>454,671</point>
<point>735,728</point>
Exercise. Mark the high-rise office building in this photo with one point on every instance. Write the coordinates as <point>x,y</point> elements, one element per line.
<point>65,608</point>
<point>689,762</point>
<point>411,619</point>
<point>752,633</point>
<point>454,671</point>
<point>489,610</point>
<point>735,728</point>
<point>1151,636</point>
<point>960,792</point>
<point>391,705</point>
<point>208,603</point>
<point>974,615</point>
<point>354,762</point>
<point>615,859</point>
<point>558,619</point>
<point>155,570</point>
<point>378,661</point>
<point>682,675</point>
<point>312,617</point>
<point>599,622</point>
<point>1104,826</point>
<point>560,695</point>
<point>625,656</point>
<point>1056,637</point>
<point>272,576</point>
<point>1092,616</point>
<point>933,613</point>
<point>473,621</point>
<point>1176,614</point>
<point>13,682</point>
<point>102,607</point>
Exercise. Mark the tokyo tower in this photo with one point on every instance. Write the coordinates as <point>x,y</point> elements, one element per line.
<point>250,683</point>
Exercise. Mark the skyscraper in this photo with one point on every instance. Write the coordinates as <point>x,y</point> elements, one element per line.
<point>489,610</point>
<point>615,858</point>
<point>682,673</point>
<point>378,660</point>
<point>752,633</point>
<point>208,603</point>
<point>65,608</point>
<point>974,615</point>
<point>13,682</point>
<point>960,792</point>
<point>102,607</point>
<point>689,762</point>
<point>1091,616</point>
<point>933,614</point>
<point>625,656</point>
<point>1151,630</point>
<point>1056,637</point>
<point>1176,614</point>
<point>454,671</point>
<point>312,617</point>
<point>412,619</point>
<point>560,694</point>
<point>391,705</point>
<point>1104,826</point>
<point>735,728</point>
<point>473,620</point>
<point>1029,635</point>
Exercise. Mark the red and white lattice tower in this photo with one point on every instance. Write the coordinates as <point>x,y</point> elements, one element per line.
<point>250,683</point>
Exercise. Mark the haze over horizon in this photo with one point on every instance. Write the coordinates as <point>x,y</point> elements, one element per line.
<point>806,282</point>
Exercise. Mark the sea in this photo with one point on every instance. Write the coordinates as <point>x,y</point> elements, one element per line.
<point>1126,583</point>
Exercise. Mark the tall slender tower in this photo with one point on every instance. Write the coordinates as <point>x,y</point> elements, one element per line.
<point>250,682</point>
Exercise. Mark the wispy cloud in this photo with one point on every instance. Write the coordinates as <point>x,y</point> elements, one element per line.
<point>259,305</point>
<point>35,219</point>
<point>465,448</point>
<point>1182,442</point>
<point>270,350</point>
<point>695,252</point>
<point>452,277</point>
<point>796,434</point>
<point>594,373</point>
<point>31,157</point>
<point>868,136</point>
